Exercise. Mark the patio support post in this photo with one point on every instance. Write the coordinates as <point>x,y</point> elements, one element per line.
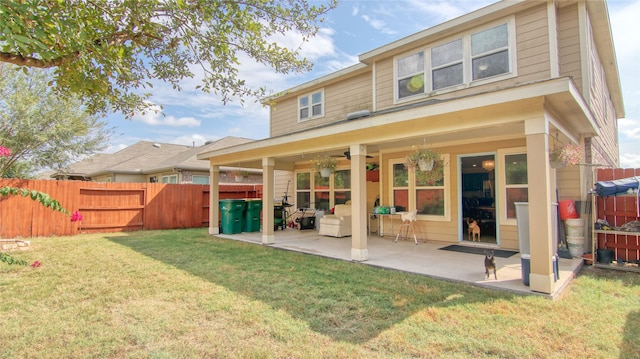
<point>540,204</point>
<point>268,195</point>
<point>214,199</point>
<point>359,250</point>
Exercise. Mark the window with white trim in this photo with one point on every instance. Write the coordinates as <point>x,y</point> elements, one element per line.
<point>447,67</point>
<point>421,190</point>
<point>323,193</point>
<point>200,179</point>
<point>458,62</point>
<point>311,106</point>
<point>341,186</point>
<point>170,179</point>
<point>430,196</point>
<point>490,52</point>
<point>516,182</point>
<point>400,187</point>
<point>410,70</point>
<point>303,189</point>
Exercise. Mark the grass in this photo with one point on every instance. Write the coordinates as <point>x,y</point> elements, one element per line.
<point>185,294</point>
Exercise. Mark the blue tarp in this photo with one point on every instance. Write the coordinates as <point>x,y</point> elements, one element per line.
<point>615,187</point>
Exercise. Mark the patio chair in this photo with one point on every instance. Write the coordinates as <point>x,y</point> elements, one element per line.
<point>408,224</point>
<point>337,224</point>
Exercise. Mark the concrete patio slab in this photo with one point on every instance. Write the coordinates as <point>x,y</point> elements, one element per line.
<point>425,258</point>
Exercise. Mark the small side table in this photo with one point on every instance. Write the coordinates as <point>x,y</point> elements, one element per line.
<point>380,220</point>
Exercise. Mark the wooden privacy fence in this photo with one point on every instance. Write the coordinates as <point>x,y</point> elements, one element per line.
<point>110,207</point>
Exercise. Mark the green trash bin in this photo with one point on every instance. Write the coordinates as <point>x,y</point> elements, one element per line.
<point>251,218</point>
<point>231,215</point>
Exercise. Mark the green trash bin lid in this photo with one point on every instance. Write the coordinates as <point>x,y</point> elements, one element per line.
<point>232,205</point>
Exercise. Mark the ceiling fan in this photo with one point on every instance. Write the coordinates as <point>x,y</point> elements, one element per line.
<point>347,154</point>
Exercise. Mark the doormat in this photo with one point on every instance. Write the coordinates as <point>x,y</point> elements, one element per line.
<point>500,253</point>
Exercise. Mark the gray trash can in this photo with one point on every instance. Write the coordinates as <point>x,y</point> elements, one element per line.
<point>522,217</point>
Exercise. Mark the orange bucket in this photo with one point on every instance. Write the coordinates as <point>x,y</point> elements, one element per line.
<point>567,209</point>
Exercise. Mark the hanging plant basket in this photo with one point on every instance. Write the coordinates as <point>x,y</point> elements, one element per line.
<point>425,165</point>
<point>325,165</point>
<point>325,172</point>
<point>421,157</point>
<point>566,156</point>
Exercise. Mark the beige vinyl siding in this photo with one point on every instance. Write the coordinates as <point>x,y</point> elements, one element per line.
<point>128,178</point>
<point>532,42</point>
<point>281,179</point>
<point>284,117</point>
<point>341,98</point>
<point>605,146</point>
<point>568,182</point>
<point>384,84</point>
<point>569,44</point>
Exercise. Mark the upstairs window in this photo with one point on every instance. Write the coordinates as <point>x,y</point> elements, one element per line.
<point>411,75</point>
<point>456,63</point>
<point>311,106</point>
<point>447,65</point>
<point>490,52</point>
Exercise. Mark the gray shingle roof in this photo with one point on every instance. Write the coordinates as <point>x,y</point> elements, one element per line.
<point>147,157</point>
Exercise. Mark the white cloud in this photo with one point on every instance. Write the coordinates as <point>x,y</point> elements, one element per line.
<point>379,25</point>
<point>190,140</point>
<point>439,11</point>
<point>155,117</point>
<point>629,128</point>
<point>629,160</point>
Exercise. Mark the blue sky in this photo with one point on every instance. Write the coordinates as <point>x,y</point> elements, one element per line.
<point>192,117</point>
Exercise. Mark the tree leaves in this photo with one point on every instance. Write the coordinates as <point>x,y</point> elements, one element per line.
<point>44,129</point>
<point>38,196</point>
<point>106,51</point>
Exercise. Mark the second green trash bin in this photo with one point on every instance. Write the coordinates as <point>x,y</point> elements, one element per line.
<point>252,215</point>
<point>231,211</point>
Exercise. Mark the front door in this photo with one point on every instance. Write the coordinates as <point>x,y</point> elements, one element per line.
<point>478,198</point>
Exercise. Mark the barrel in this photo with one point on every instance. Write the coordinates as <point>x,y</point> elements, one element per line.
<point>576,246</point>
<point>574,227</point>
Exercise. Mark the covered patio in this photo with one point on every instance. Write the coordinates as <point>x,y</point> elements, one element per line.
<point>425,258</point>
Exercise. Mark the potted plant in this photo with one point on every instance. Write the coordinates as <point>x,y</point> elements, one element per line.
<point>566,156</point>
<point>421,157</point>
<point>325,165</point>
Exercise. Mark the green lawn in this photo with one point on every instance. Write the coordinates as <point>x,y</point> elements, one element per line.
<point>185,294</point>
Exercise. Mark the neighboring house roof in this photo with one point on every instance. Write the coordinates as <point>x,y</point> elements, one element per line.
<point>147,157</point>
<point>83,168</point>
<point>188,161</point>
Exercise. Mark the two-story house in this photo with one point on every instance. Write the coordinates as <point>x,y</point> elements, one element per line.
<point>493,91</point>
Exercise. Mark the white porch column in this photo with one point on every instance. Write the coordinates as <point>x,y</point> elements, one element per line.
<point>359,214</point>
<point>214,199</point>
<point>540,203</point>
<point>268,194</point>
